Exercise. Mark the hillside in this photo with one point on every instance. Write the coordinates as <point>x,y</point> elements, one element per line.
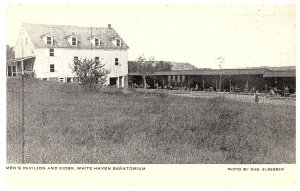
<point>278,68</point>
<point>283,68</point>
<point>183,66</point>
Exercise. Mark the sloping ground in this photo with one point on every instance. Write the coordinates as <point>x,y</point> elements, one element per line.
<point>182,66</point>
<point>67,124</point>
<point>278,68</point>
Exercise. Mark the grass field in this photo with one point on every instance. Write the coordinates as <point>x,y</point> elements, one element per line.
<point>66,124</point>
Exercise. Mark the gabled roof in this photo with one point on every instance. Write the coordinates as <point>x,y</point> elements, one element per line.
<point>47,34</point>
<point>60,34</point>
<point>71,36</point>
<point>94,36</point>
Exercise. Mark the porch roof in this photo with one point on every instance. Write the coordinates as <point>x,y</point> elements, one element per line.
<point>274,74</point>
<point>259,71</point>
<point>20,59</point>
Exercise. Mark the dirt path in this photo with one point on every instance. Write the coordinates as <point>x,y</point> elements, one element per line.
<point>237,97</point>
<point>245,98</point>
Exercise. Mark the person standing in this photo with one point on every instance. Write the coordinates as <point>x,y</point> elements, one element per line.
<point>256,94</point>
<point>196,87</point>
<point>286,91</point>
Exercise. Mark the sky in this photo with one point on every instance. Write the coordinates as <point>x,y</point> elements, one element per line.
<point>244,35</point>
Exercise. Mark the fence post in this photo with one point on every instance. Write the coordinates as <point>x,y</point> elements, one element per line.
<point>23,122</point>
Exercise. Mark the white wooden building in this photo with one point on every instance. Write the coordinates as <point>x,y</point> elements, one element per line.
<point>49,51</point>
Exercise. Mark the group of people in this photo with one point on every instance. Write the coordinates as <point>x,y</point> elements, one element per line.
<point>273,91</point>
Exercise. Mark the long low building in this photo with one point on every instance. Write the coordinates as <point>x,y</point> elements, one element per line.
<point>227,80</point>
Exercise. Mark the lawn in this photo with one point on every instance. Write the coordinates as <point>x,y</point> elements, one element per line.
<point>66,124</point>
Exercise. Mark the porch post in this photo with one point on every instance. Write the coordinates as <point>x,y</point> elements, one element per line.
<point>284,90</point>
<point>247,86</point>
<point>22,65</point>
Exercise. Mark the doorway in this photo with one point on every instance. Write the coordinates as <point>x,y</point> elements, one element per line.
<point>113,81</point>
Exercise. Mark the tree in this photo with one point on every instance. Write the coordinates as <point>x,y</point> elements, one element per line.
<point>90,72</point>
<point>10,53</point>
<point>132,66</point>
<point>145,68</point>
<point>220,61</point>
<point>163,66</point>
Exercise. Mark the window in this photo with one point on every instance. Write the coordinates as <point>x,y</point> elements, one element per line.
<point>116,61</point>
<point>69,80</point>
<point>75,57</point>
<point>182,78</point>
<point>118,42</point>
<point>61,79</point>
<point>169,78</point>
<point>178,79</point>
<point>45,79</point>
<point>49,40</point>
<point>9,71</point>
<point>74,41</point>
<point>51,51</point>
<point>52,68</point>
<point>97,59</point>
<point>14,72</point>
<point>97,42</point>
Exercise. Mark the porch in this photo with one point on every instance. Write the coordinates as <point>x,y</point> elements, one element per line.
<point>18,66</point>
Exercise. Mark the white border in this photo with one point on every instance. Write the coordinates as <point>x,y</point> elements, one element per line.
<point>5,3</point>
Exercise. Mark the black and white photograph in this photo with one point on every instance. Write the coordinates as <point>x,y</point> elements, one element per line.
<point>151,84</point>
<point>189,91</point>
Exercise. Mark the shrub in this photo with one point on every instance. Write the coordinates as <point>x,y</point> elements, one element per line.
<point>90,72</point>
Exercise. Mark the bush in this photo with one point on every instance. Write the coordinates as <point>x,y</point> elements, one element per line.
<point>28,75</point>
<point>90,73</point>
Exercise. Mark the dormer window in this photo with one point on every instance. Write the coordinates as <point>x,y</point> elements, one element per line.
<point>49,40</point>
<point>74,41</point>
<point>118,42</point>
<point>97,42</point>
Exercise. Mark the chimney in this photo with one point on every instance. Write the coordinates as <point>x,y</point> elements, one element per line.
<point>109,26</point>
